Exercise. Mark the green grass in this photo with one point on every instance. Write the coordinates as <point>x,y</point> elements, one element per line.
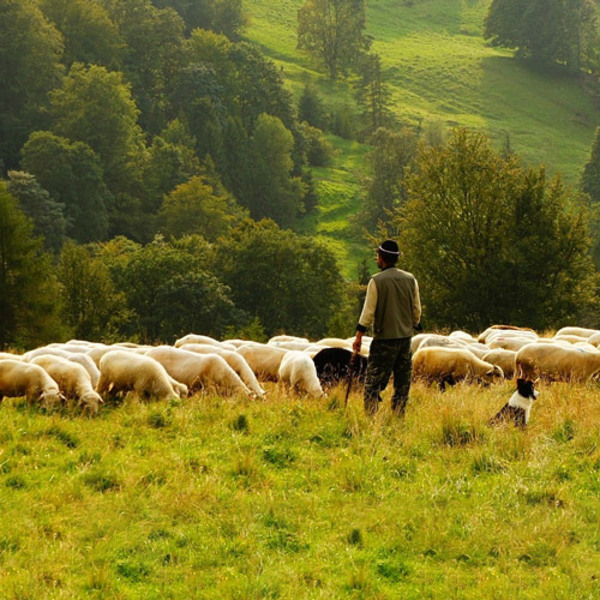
<point>299,498</point>
<point>440,71</point>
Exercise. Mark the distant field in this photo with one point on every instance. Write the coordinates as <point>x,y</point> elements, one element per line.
<point>440,72</point>
<point>213,498</point>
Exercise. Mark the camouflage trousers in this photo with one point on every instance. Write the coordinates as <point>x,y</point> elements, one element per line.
<point>387,357</point>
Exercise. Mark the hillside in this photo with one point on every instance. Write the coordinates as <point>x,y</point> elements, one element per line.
<point>441,73</point>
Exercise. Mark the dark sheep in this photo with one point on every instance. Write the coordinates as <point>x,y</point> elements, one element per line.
<point>333,366</point>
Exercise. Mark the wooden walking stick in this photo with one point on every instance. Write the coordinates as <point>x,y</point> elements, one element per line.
<point>350,369</point>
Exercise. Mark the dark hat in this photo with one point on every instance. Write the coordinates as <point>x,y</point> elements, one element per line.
<point>389,247</point>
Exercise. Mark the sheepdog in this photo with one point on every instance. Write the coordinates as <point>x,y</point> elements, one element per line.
<point>517,409</point>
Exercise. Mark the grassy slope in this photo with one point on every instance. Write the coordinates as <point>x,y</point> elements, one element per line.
<point>441,72</point>
<point>297,498</point>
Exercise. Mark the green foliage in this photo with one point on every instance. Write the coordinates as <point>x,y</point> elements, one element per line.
<point>89,34</point>
<point>30,53</point>
<point>197,207</point>
<point>47,215</point>
<point>494,242</point>
<point>95,106</point>
<point>226,17</point>
<point>311,107</point>
<point>92,308</point>
<point>289,282</point>
<point>319,150</point>
<point>153,38</point>
<point>29,296</point>
<point>272,190</point>
<point>392,153</point>
<point>333,31</point>
<point>72,173</point>
<point>169,290</point>
<point>557,31</point>
<point>372,94</point>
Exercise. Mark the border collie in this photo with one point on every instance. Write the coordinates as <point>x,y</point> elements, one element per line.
<point>517,409</point>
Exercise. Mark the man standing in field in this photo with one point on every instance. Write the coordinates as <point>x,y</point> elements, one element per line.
<point>393,308</point>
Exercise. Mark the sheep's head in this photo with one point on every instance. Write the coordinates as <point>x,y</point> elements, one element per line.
<point>51,398</point>
<point>90,402</point>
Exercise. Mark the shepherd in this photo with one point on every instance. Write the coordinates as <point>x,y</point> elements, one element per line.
<point>392,308</point>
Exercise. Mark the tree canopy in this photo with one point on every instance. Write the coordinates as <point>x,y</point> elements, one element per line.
<point>492,241</point>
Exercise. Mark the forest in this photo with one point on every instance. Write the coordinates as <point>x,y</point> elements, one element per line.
<point>157,172</point>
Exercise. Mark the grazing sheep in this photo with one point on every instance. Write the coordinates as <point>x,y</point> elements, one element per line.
<point>199,371</point>
<point>193,338</point>
<point>288,338</point>
<point>511,342</point>
<point>583,332</point>
<point>298,370</point>
<point>479,350</point>
<point>334,365</point>
<point>73,380</point>
<point>436,340</point>
<point>123,371</point>
<point>570,337</point>
<point>263,359</point>
<point>20,378</point>
<point>505,359</point>
<point>505,330</point>
<point>234,360</point>
<point>450,365</point>
<point>557,361</point>
<point>10,356</point>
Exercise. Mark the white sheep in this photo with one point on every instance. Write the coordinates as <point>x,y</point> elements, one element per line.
<point>298,370</point>
<point>123,371</point>
<point>557,361</point>
<point>505,359</point>
<point>20,378</point>
<point>505,330</point>
<point>510,342</point>
<point>235,360</point>
<point>583,332</point>
<point>288,338</point>
<point>263,359</point>
<point>199,371</point>
<point>194,338</point>
<point>73,380</point>
<point>450,365</point>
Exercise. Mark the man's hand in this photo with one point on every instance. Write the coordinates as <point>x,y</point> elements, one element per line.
<point>356,345</point>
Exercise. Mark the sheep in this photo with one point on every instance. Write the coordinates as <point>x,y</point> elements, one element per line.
<point>10,356</point>
<point>298,370</point>
<point>234,360</point>
<point>557,362</point>
<point>510,342</point>
<point>440,341</point>
<point>583,332</point>
<point>334,365</point>
<point>505,330</point>
<point>478,349</point>
<point>450,365</point>
<point>263,359</point>
<point>505,359</point>
<point>199,371</point>
<point>73,380</point>
<point>570,337</point>
<point>290,345</point>
<point>122,371</point>
<point>20,378</point>
<point>288,338</point>
<point>463,336</point>
<point>193,338</point>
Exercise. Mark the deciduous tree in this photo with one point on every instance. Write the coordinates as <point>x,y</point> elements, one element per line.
<point>333,31</point>
<point>491,241</point>
<point>29,294</point>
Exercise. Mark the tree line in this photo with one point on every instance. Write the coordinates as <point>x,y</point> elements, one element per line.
<point>154,169</point>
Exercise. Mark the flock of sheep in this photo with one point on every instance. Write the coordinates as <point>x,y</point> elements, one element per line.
<point>89,373</point>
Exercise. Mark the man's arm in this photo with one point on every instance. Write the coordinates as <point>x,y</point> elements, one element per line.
<point>417,306</point>
<point>367,316</point>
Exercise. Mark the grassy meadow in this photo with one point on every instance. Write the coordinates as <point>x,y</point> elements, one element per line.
<point>292,497</point>
<point>441,74</point>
